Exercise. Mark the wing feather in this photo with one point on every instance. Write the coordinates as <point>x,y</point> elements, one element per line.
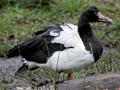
<point>39,47</point>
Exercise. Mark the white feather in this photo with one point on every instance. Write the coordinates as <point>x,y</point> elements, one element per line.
<point>69,59</point>
<point>69,37</point>
<point>53,33</point>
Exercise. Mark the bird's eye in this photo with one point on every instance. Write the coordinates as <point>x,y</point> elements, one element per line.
<point>95,13</point>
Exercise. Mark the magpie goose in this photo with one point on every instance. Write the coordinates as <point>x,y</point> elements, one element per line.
<point>62,47</point>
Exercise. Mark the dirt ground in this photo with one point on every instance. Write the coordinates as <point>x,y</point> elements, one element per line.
<point>10,66</point>
<point>7,70</point>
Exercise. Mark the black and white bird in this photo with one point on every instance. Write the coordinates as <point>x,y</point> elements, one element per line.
<point>62,47</point>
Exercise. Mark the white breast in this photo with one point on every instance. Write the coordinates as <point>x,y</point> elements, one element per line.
<point>70,59</point>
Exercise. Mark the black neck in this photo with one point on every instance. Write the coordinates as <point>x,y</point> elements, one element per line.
<point>84,29</point>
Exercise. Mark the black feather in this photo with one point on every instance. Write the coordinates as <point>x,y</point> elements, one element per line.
<point>22,69</point>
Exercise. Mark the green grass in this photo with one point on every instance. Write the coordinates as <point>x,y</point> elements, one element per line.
<point>22,19</point>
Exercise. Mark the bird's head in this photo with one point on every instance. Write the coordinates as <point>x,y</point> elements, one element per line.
<point>92,14</point>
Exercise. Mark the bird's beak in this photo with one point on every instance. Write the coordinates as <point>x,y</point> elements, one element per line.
<point>104,19</point>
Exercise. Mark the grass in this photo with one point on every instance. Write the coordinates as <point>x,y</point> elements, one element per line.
<point>19,20</point>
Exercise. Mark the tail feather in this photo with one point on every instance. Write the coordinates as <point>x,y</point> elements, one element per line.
<point>22,69</point>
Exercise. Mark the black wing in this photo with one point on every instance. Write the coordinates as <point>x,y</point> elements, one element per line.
<point>38,48</point>
<point>45,28</point>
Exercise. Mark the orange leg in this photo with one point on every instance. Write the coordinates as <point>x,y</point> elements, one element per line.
<point>57,78</point>
<point>69,77</point>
